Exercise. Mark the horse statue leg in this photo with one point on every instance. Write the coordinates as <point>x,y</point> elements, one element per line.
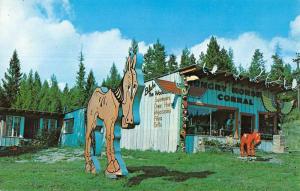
<point>91,124</point>
<point>242,151</point>
<point>242,146</point>
<point>252,149</point>
<point>113,167</point>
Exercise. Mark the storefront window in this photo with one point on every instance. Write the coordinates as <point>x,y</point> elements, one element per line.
<point>200,120</point>
<point>211,121</point>
<point>266,125</point>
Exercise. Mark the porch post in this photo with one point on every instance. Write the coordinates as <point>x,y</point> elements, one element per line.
<point>210,121</point>
<point>256,127</point>
<point>237,119</point>
<point>22,127</point>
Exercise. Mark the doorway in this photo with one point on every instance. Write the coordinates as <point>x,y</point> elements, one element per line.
<point>247,123</point>
<point>31,127</point>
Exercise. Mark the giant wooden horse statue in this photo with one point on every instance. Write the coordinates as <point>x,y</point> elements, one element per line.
<point>106,105</point>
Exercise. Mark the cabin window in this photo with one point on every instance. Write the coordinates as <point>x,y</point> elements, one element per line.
<point>267,125</point>
<point>69,125</point>
<point>49,124</point>
<point>52,123</point>
<point>13,125</point>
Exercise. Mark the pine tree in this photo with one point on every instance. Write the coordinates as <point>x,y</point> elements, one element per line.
<point>134,46</point>
<point>230,62</point>
<point>185,58</point>
<point>201,59</point>
<point>277,68</point>
<point>296,72</point>
<point>213,54</point>
<point>192,59</point>
<point>257,64</point>
<point>172,64</point>
<point>155,61</point>
<point>29,97</point>
<point>287,73</point>
<point>90,85</point>
<point>11,81</point>
<point>80,82</point>
<point>159,57</point>
<point>22,96</point>
<point>65,99</point>
<point>73,99</point>
<point>113,80</point>
<point>55,94</point>
<point>37,85</point>
<point>226,61</point>
<point>2,97</point>
<point>241,70</point>
<point>44,96</point>
<point>149,67</point>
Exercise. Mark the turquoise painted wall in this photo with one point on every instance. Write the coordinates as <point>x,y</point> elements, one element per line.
<point>77,137</point>
<point>189,143</point>
<point>211,97</point>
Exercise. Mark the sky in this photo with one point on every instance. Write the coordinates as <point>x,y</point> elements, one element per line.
<point>49,34</point>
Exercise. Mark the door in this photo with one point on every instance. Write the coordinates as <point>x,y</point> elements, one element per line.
<point>31,127</point>
<point>247,123</point>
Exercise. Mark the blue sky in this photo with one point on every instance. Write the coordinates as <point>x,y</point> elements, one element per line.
<point>179,23</point>
<point>49,34</point>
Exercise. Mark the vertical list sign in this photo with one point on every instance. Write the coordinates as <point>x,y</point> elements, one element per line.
<point>162,105</point>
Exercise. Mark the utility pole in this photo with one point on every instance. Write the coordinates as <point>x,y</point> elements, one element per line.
<point>297,61</point>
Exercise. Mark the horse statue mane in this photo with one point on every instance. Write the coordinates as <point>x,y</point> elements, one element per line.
<point>249,141</point>
<point>116,108</point>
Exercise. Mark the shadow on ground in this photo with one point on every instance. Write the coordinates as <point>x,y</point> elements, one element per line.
<point>161,171</point>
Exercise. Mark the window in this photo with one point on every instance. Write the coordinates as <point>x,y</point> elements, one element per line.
<point>49,124</point>
<point>52,124</point>
<point>267,125</point>
<point>200,120</point>
<point>69,125</point>
<point>13,125</point>
<point>211,121</point>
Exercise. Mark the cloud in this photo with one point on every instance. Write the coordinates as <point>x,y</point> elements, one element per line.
<point>48,42</point>
<point>295,27</point>
<point>245,44</point>
<point>51,46</point>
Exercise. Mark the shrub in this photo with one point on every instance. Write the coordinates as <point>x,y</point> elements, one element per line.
<point>293,116</point>
<point>47,138</point>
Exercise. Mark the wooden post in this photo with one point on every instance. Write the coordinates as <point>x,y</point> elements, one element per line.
<point>236,134</point>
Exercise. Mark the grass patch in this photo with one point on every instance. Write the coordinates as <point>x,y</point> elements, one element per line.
<point>229,173</point>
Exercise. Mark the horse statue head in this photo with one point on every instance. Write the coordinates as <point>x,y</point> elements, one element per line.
<point>132,85</point>
<point>256,137</point>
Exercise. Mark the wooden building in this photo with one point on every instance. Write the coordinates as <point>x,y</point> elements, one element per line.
<point>23,125</point>
<point>219,105</point>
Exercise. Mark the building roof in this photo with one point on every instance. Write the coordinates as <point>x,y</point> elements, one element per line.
<point>224,76</point>
<point>13,111</point>
<point>168,86</point>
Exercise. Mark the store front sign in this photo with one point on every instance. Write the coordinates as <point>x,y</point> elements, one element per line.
<point>149,90</point>
<point>235,99</point>
<point>232,95</point>
<point>162,105</point>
